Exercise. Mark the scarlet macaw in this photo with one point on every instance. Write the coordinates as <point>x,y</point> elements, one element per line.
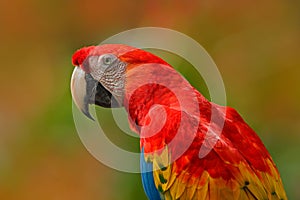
<point>236,165</point>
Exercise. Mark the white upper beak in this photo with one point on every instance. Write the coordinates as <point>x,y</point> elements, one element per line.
<point>78,90</point>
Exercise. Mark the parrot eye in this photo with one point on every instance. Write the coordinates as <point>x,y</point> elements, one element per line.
<point>107,59</point>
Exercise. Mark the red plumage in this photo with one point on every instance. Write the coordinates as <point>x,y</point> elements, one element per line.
<point>175,121</point>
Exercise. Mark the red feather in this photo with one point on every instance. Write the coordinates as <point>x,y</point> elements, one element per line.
<point>237,152</point>
<point>159,102</point>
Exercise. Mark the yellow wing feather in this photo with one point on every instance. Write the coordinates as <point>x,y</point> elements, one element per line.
<point>248,183</point>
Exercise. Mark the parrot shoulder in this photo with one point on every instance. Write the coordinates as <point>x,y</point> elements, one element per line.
<point>227,172</point>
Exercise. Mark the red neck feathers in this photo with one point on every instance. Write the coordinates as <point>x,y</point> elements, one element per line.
<point>150,84</point>
<point>138,56</point>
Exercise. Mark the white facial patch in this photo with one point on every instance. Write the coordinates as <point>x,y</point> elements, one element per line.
<point>110,72</point>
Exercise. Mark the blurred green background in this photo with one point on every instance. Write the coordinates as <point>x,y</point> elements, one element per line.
<point>255,44</point>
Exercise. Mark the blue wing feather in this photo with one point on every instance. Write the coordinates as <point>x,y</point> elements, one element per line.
<point>147,179</point>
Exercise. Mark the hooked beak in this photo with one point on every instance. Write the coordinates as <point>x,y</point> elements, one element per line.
<point>86,90</point>
<point>79,91</point>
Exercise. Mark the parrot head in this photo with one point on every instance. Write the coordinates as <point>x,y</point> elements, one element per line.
<point>99,76</point>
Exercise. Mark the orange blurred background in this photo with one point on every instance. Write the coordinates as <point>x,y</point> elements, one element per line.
<point>255,44</point>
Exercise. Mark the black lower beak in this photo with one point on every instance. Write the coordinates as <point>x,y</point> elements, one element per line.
<point>96,93</point>
<point>86,90</point>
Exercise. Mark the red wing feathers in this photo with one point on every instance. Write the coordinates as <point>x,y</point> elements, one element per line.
<point>238,166</point>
